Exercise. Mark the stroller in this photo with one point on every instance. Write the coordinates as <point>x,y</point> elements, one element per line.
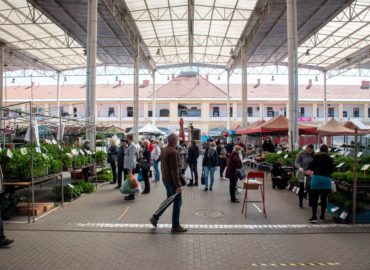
<point>279,176</point>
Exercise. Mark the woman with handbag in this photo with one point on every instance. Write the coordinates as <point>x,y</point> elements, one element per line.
<point>112,159</point>
<point>233,165</point>
<point>210,163</point>
<point>144,164</point>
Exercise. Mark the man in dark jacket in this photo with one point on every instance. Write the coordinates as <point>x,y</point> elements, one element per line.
<point>210,162</point>
<point>121,160</point>
<point>171,180</point>
<point>193,154</point>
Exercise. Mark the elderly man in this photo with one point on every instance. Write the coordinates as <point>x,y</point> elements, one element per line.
<point>171,180</point>
<point>129,162</point>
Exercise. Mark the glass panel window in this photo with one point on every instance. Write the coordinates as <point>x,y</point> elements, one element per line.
<point>216,112</point>
<point>330,112</point>
<point>250,111</point>
<point>368,112</point>
<point>74,111</point>
<point>345,114</point>
<point>318,112</point>
<point>130,111</point>
<point>301,111</point>
<point>150,113</point>
<point>185,110</point>
<point>270,112</point>
<point>164,113</point>
<point>231,111</point>
<point>356,112</point>
<point>111,112</point>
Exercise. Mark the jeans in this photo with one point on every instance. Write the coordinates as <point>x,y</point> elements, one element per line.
<point>171,190</point>
<point>145,174</point>
<point>232,187</point>
<point>301,193</point>
<point>157,174</point>
<point>211,172</point>
<point>119,177</point>
<point>114,171</point>
<point>323,195</point>
<point>2,236</point>
<point>194,172</point>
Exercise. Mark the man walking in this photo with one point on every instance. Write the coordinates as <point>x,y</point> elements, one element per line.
<point>120,161</point>
<point>193,155</point>
<point>156,155</point>
<point>171,180</point>
<point>129,163</point>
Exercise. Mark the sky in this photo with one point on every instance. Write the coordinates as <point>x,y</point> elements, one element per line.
<point>13,80</point>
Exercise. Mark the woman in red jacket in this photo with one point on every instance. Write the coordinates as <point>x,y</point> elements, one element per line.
<point>233,165</point>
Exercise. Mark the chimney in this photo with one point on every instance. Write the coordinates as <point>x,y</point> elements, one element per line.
<point>365,85</point>
<point>207,77</point>
<point>309,84</point>
<point>258,83</point>
<point>173,76</point>
<point>146,83</point>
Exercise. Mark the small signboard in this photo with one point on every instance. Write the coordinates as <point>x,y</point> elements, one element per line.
<point>89,152</point>
<point>317,150</point>
<point>340,165</point>
<point>332,156</point>
<point>365,167</point>
<point>359,154</point>
<point>23,151</point>
<point>347,153</point>
<point>297,190</point>
<point>54,141</point>
<point>47,141</point>
<point>286,156</point>
<point>74,152</point>
<point>45,156</point>
<point>82,153</point>
<point>38,149</point>
<point>279,152</point>
<point>69,155</point>
<point>9,153</point>
<point>335,209</point>
<point>60,148</point>
<point>343,215</point>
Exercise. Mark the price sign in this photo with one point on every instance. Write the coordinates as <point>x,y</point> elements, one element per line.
<point>279,152</point>
<point>359,154</point>
<point>297,190</point>
<point>60,148</point>
<point>82,153</point>
<point>332,156</point>
<point>45,156</point>
<point>23,151</point>
<point>365,167</point>
<point>69,155</point>
<point>70,185</point>
<point>74,152</point>
<point>104,150</point>
<point>89,152</point>
<point>9,153</point>
<point>340,165</point>
<point>98,148</point>
<point>317,150</point>
<point>47,141</point>
<point>343,215</point>
<point>294,189</point>
<point>335,209</point>
<point>38,149</point>
<point>54,141</point>
<point>286,156</point>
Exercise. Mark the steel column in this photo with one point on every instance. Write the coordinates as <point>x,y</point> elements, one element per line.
<point>325,100</point>
<point>244,87</point>
<point>58,95</point>
<point>228,101</point>
<point>1,82</point>
<point>153,101</point>
<point>292,72</point>
<point>91,69</point>
<point>136,92</point>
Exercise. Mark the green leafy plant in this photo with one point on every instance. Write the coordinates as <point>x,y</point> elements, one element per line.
<point>100,158</point>
<point>86,187</point>
<point>105,175</point>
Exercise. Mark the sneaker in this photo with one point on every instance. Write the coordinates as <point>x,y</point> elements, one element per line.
<point>235,201</point>
<point>6,242</point>
<point>190,184</point>
<point>196,184</point>
<point>313,220</point>
<point>117,187</point>
<point>300,205</point>
<point>154,221</point>
<point>129,198</point>
<point>179,230</point>
<point>210,189</point>
<point>206,189</point>
<point>112,183</point>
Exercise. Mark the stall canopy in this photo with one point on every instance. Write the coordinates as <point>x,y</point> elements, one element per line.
<point>253,125</point>
<point>334,128</point>
<point>148,129</point>
<point>355,123</point>
<point>278,124</point>
<point>214,132</point>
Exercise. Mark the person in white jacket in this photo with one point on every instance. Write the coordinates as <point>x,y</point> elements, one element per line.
<point>156,156</point>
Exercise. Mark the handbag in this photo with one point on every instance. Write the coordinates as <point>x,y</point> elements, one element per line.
<point>203,178</point>
<point>241,173</point>
<point>143,164</point>
<point>182,180</point>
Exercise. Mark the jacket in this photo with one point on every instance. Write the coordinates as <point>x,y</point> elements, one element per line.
<point>156,153</point>
<point>322,164</point>
<point>130,157</point>
<point>146,155</point>
<point>170,166</point>
<point>182,151</point>
<point>233,165</point>
<point>112,154</point>
<point>303,160</point>
<point>193,154</point>
<point>121,157</point>
<point>210,158</point>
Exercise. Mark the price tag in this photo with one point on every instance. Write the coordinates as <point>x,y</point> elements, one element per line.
<point>288,187</point>
<point>70,185</point>
<point>286,156</point>
<point>335,209</point>
<point>297,190</point>
<point>45,156</point>
<point>82,153</point>
<point>343,215</point>
<point>294,189</point>
<point>47,141</point>
<point>74,152</point>
<point>89,152</point>
<point>279,152</point>
<point>54,141</point>
<point>359,154</point>
<point>69,155</point>
<point>23,151</point>
<point>340,165</point>
<point>38,149</point>
<point>365,167</point>
<point>98,148</point>
<point>9,153</point>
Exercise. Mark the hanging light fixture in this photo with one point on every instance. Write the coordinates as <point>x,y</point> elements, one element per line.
<point>13,81</point>
<point>168,78</point>
<point>85,52</point>
<point>316,79</point>
<point>272,78</point>
<point>307,52</point>
<point>218,78</point>
<point>116,78</point>
<point>65,78</point>
<point>231,52</point>
<point>158,52</point>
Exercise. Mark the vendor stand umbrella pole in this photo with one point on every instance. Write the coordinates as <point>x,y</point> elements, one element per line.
<point>354,188</point>
<point>32,174</point>
<point>61,158</point>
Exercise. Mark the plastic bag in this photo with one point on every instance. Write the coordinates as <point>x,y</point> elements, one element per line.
<point>126,187</point>
<point>140,176</point>
<point>134,182</point>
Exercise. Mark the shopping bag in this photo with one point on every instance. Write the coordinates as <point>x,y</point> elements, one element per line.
<point>203,178</point>
<point>134,182</point>
<point>166,203</point>
<point>241,173</point>
<point>126,187</point>
<point>140,176</point>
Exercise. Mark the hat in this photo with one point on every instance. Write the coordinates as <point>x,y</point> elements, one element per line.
<point>122,139</point>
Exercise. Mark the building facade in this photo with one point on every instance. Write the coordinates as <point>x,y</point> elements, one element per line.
<point>197,101</point>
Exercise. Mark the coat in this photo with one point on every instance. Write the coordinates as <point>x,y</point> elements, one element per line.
<point>303,160</point>
<point>233,165</point>
<point>130,157</point>
<point>210,158</point>
<point>193,154</point>
<point>121,157</point>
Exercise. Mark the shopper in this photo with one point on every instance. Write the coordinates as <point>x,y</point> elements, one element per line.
<point>120,161</point>
<point>156,157</point>
<point>183,152</point>
<point>233,165</point>
<point>210,162</point>
<point>222,153</point>
<point>322,167</point>
<point>193,155</point>
<point>171,180</point>
<point>145,166</point>
<point>302,163</point>
<point>129,163</point>
<point>3,240</point>
<point>112,159</point>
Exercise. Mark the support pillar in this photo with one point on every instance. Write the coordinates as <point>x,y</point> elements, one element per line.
<point>1,81</point>
<point>136,93</point>
<point>261,110</point>
<point>235,110</point>
<point>366,112</point>
<point>91,69</point>
<point>244,87</point>
<point>340,113</point>
<point>154,107</point>
<point>314,111</point>
<point>58,94</point>
<point>228,101</point>
<point>292,72</point>
<point>325,100</point>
